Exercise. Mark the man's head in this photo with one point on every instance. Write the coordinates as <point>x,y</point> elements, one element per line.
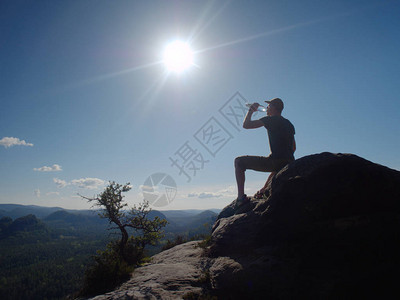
<point>275,107</point>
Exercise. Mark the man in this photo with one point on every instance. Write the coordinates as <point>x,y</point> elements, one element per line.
<point>282,144</point>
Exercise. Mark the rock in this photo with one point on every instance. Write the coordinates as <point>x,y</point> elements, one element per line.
<point>329,228</point>
<point>223,271</point>
<point>171,274</point>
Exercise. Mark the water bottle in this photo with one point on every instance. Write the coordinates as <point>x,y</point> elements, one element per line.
<point>260,108</point>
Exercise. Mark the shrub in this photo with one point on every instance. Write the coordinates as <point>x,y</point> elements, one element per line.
<point>108,271</point>
<point>180,239</point>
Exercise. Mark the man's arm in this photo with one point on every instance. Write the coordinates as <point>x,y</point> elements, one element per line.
<point>248,123</point>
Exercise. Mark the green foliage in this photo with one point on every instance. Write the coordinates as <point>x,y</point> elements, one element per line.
<point>205,242</point>
<point>113,266</point>
<point>148,232</point>
<point>108,271</point>
<point>5,223</point>
<point>43,264</point>
<point>111,202</point>
<point>179,239</point>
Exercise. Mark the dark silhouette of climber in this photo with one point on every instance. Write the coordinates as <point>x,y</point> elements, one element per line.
<point>282,144</point>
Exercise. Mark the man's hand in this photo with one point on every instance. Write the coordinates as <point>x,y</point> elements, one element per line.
<point>254,107</point>
<point>248,123</point>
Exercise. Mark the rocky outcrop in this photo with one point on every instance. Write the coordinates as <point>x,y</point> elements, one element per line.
<point>172,274</point>
<point>330,228</point>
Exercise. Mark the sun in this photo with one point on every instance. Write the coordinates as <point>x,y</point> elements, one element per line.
<point>178,56</point>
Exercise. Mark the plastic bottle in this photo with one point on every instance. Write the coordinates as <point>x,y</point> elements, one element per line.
<point>260,108</point>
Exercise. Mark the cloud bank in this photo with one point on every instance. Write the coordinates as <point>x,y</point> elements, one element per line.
<point>85,183</point>
<point>88,183</point>
<point>60,183</point>
<point>8,142</point>
<point>53,168</point>
<point>205,195</point>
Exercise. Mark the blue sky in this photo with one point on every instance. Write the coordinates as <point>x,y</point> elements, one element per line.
<point>86,99</point>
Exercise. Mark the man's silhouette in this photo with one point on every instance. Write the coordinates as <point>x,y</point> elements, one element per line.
<point>281,140</point>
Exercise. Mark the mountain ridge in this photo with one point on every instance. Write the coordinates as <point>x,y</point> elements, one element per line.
<point>20,210</point>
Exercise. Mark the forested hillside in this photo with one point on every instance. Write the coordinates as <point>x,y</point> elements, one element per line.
<point>46,258</point>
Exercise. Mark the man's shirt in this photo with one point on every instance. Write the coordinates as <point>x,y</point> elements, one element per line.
<point>281,136</point>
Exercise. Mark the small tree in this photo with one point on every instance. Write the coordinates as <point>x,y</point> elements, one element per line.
<point>147,231</point>
<point>114,264</point>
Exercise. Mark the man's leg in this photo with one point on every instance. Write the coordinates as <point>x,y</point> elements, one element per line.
<point>277,165</point>
<point>243,163</point>
<point>240,177</point>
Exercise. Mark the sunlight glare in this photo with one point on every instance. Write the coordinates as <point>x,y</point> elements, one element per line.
<point>178,56</point>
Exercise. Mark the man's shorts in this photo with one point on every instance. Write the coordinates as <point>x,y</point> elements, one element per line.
<point>261,163</point>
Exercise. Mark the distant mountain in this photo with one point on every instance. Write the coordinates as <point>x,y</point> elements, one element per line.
<point>178,217</point>
<point>179,221</point>
<point>155,213</point>
<point>187,219</point>
<point>63,215</point>
<point>74,221</point>
<point>186,212</point>
<point>17,210</point>
<point>177,213</point>
<point>186,222</point>
<point>206,217</point>
<point>27,223</point>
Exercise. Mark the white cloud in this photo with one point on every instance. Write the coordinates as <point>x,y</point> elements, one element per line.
<point>60,183</point>
<point>226,192</point>
<point>37,193</point>
<point>85,183</point>
<point>205,195</point>
<point>13,141</point>
<point>53,168</point>
<point>88,183</point>
<point>150,189</point>
<point>229,191</point>
<point>52,194</point>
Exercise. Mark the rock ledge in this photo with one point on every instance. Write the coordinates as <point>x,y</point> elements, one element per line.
<point>171,274</point>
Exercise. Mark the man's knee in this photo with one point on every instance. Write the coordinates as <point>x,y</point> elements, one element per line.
<point>239,163</point>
